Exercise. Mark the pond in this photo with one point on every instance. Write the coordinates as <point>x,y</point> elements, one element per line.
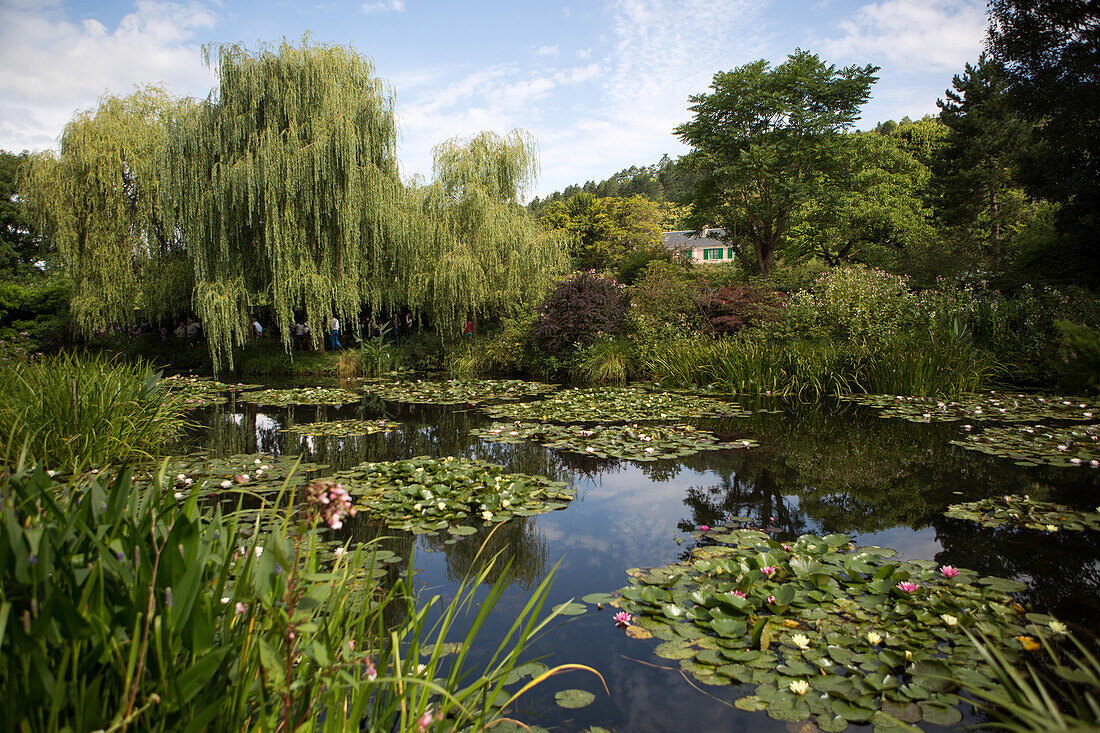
<point>824,468</point>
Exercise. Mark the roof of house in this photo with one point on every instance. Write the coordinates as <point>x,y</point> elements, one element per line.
<point>688,239</point>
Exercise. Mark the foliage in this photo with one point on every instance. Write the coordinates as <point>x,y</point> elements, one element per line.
<point>1048,52</point>
<point>38,307</point>
<point>615,404</point>
<point>976,181</point>
<point>426,494</point>
<point>732,308</point>
<point>607,360</point>
<point>604,231</point>
<point>128,607</point>
<point>1079,350</point>
<point>581,308</point>
<point>100,203</point>
<point>990,406</point>
<point>863,305</point>
<point>633,442</point>
<point>80,412</point>
<point>767,141</point>
<point>301,396</point>
<point>664,182</point>
<point>1023,512</point>
<point>828,631</point>
<point>509,351</point>
<point>20,245</point>
<point>343,428</point>
<point>666,294</point>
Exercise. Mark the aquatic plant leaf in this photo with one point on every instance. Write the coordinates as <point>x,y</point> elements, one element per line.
<point>616,404</point>
<point>574,698</point>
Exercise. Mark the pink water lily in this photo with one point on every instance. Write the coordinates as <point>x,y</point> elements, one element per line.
<point>949,571</point>
<point>623,619</point>
<point>739,594</point>
<point>906,587</point>
<point>703,527</point>
<point>768,570</point>
<point>771,599</point>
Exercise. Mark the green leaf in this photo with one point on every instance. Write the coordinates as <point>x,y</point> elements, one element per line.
<point>574,698</point>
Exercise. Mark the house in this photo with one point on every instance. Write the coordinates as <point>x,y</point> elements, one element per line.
<point>704,247</point>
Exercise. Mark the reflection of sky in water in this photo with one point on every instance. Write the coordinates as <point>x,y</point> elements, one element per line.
<point>817,470</point>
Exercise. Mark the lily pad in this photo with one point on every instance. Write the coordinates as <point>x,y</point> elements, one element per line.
<point>1023,512</point>
<point>570,609</point>
<point>343,428</point>
<point>988,407</point>
<point>1078,445</point>
<point>301,396</point>
<point>455,391</point>
<point>574,698</point>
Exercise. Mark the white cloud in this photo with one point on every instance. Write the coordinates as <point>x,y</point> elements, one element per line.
<point>397,6</point>
<point>547,50</point>
<point>51,66</point>
<point>928,36</point>
<point>584,53</point>
<point>566,12</point>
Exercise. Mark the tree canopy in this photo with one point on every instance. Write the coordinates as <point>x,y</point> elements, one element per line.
<point>768,140</point>
<point>282,189</point>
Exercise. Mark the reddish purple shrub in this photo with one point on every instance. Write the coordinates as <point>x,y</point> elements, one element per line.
<point>582,307</point>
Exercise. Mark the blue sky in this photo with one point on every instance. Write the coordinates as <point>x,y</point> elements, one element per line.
<point>600,85</point>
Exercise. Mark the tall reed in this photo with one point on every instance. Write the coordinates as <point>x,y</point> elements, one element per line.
<point>76,411</point>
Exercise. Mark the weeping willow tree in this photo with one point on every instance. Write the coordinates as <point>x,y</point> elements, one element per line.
<point>478,250</point>
<point>282,189</point>
<point>287,189</point>
<point>99,199</point>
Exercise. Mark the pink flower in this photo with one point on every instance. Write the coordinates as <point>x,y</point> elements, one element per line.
<point>906,587</point>
<point>768,570</point>
<point>739,594</point>
<point>771,599</point>
<point>623,619</point>
<point>351,644</point>
<point>240,607</point>
<point>949,571</point>
<point>242,479</point>
<point>424,721</point>
<point>372,673</point>
<point>787,548</point>
<point>703,527</point>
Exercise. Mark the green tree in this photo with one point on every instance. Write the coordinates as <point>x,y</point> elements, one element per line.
<point>1049,52</point>
<point>20,245</point>
<point>99,201</point>
<point>606,232</point>
<point>976,177</point>
<point>768,140</point>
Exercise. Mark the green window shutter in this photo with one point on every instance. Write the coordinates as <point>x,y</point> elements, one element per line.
<point>714,253</point>
<point>729,253</point>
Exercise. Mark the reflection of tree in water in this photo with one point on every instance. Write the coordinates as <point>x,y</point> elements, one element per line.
<point>751,491</point>
<point>517,541</point>
<point>1061,569</point>
<point>361,531</point>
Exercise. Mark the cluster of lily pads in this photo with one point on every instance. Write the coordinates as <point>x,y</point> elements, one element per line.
<point>1078,445</point>
<point>257,472</point>
<point>616,404</point>
<point>455,391</point>
<point>976,407</point>
<point>344,428</point>
<point>1024,512</point>
<point>827,631</point>
<point>613,441</point>
<point>200,391</point>
<point>302,396</point>
<point>426,494</point>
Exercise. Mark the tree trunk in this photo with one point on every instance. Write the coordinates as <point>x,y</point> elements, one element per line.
<point>995,217</point>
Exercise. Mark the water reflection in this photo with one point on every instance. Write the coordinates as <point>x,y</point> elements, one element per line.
<point>822,468</point>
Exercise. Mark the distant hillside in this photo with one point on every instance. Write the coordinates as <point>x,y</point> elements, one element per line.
<point>666,181</point>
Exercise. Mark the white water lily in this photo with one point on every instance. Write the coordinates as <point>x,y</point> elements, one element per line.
<point>1057,627</point>
<point>874,637</point>
<point>180,477</point>
<point>801,641</point>
<point>227,484</point>
<point>949,619</point>
<point>487,515</point>
<point>417,506</point>
<point>799,687</point>
<point>441,506</point>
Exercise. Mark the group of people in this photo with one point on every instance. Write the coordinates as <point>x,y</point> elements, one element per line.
<point>398,328</point>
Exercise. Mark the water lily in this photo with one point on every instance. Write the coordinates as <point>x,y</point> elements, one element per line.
<point>799,687</point>
<point>949,619</point>
<point>874,637</point>
<point>906,587</point>
<point>623,619</point>
<point>801,641</point>
<point>487,515</point>
<point>339,551</point>
<point>949,571</point>
<point>1058,627</point>
<point>240,608</point>
<point>227,484</point>
<point>418,506</point>
<point>739,594</point>
<point>424,721</point>
<point>242,479</point>
<point>771,599</point>
<point>1052,528</point>
<point>180,477</point>
<point>703,528</point>
<point>768,570</point>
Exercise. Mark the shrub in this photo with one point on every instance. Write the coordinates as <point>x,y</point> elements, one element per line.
<point>508,352</point>
<point>1079,371</point>
<point>607,361</point>
<point>862,304</point>
<point>581,308</point>
<point>85,411</point>
<point>732,308</point>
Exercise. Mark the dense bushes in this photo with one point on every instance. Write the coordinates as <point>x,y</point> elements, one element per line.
<point>85,411</point>
<point>581,308</point>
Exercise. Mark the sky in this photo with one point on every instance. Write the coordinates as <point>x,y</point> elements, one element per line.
<point>599,84</point>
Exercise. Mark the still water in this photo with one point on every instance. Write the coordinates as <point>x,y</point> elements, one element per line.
<point>822,468</point>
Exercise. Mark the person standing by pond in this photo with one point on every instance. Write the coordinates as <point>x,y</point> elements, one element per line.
<point>468,329</point>
<point>334,332</point>
<point>395,324</point>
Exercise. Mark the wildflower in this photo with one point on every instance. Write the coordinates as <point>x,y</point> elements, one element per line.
<point>949,571</point>
<point>1057,627</point>
<point>906,587</point>
<point>623,619</point>
<point>768,570</point>
<point>949,619</point>
<point>424,721</point>
<point>799,687</point>
<point>874,637</point>
<point>372,673</point>
<point>240,608</point>
<point>801,641</point>
<point>351,645</point>
<point>330,500</point>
